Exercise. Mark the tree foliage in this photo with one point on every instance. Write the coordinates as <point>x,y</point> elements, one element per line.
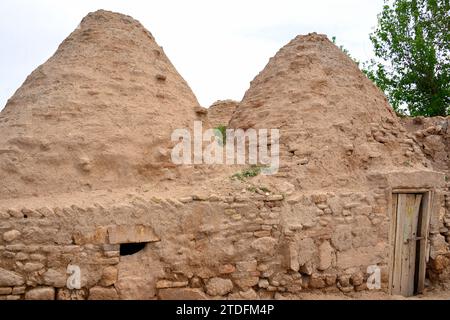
<point>412,50</point>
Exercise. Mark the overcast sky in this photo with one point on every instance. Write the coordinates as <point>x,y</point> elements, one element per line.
<point>217,46</point>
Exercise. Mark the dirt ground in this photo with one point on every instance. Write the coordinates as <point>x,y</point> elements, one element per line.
<point>431,293</point>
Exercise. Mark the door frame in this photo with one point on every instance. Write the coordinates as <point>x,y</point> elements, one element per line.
<point>426,207</point>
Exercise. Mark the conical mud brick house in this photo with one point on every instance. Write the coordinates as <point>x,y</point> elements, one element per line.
<point>92,207</point>
<point>95,115</point>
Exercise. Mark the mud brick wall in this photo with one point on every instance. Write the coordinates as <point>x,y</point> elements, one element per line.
<point>251,246</point>
<point>433,136</point>
<point>219,114</point>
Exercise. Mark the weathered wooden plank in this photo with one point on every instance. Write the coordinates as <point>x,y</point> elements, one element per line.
<point>406,208</point>
<point>412,243</point>
<point>409,191</point>
<point>396,267</point>
<point>423,232</point>
<point>399,257</point>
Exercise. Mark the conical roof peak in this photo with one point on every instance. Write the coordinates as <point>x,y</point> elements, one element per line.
<point>330,115</point>
<point>97,114</point>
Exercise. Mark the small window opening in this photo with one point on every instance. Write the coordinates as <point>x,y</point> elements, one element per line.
<point>128,249</point>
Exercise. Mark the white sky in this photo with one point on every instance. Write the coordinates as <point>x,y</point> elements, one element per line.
<point>217,46</point>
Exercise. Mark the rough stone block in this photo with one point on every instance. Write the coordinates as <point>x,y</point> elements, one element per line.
<point>262,234</point>
<point>11,235</point>
<point>32,266</point>
<point>131,234</point>
<point>342,238</point>
<point>18,290</point>
<point>265,245</point>
<point>247,266</point>
<point>263,283</point>
<point>109,276</point>
<point>186,200</point>
<point>249,294</point>
<point>364,256</point>
<point>307,250</point>
<point>319,198</point>
<point>182,294</point>
<point>219,286</point>
<point>247,282</point>
<point>5,291</point>
<point>163,284</point>
<point>274,198</point>
<point>96,236</point>
<point>364,237</point>
<point>294,265</point>
<point>317,281</point>
<point>362,210</point>
<point>326,256</point>
<point>9,278</point>
<point>227,269</point>
<point>100,293</point>
<point>330,279</point>
<point>55,278</point>
<point>357,279</point>
<point>43,293</point>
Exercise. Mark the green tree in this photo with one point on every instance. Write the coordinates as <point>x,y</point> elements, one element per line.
<point>412,50</point>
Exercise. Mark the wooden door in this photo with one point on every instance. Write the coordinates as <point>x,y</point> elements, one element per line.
<point>409,254</point>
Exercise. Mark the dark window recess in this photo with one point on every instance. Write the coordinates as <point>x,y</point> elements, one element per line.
<point>127,249</point>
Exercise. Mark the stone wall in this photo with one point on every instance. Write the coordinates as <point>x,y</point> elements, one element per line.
<point>251,246</point>
<point>433,136</point>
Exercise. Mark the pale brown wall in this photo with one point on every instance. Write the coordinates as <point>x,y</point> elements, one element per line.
<point>219,114</point>
<point>244,246</point>
<point>433,136</point>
